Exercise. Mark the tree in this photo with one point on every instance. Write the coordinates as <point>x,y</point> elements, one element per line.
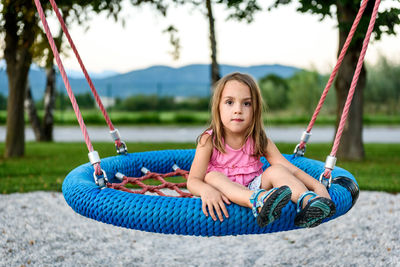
<point>351,144</point>
<point>215,73</point>
<point>19,24</point>
<point>214,68</point>
<point>240,10</point>
<point>20,28</point>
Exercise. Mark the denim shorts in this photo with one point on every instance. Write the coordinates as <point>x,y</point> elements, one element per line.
<point>255,184</point>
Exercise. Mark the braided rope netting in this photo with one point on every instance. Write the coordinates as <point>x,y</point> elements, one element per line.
<point>173,215</point>
<point>153,176</point>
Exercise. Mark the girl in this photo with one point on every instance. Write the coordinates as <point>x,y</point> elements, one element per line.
<point>227,166</point>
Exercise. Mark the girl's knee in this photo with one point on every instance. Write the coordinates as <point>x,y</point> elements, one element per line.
<point>276,169</point>
<point>277,175</point>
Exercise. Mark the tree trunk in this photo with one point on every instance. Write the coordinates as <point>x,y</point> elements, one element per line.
<point>351,146</point>
<point>18,58</point>
<point>215,74</point>
<point>32,113</point>
<point>44,130</point>
<point>49,103</point>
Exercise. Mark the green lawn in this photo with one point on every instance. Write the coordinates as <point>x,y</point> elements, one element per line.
<point>46,164</point>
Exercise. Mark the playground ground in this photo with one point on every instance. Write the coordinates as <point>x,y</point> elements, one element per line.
<point>40,229</point>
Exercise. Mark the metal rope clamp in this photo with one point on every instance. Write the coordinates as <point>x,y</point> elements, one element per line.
<point>299,152</point>
<point>121,149</point>
<point>119,176</point>
<point>329,164</point>
<point>100,180</point>
<point>144,170</point>
<point>175,167</point>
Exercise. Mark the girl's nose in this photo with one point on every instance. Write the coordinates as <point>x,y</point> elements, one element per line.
<point>238,108</point>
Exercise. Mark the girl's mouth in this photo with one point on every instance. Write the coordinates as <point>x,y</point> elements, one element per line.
<point>238,120</point>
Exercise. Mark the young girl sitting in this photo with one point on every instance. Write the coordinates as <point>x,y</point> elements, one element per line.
<point>227,166</point>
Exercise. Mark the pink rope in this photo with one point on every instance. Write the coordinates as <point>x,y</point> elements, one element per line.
<point>88,79</point>
<point>336,69</point>
<point>66,81</point>
<point>353,85</point>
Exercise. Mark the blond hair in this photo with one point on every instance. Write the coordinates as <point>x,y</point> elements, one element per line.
<point>256,129</point>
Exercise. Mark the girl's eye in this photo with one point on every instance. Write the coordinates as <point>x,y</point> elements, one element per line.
<point>247,104</point>
<point>229,102</point>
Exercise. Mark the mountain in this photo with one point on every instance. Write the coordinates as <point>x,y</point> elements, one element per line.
<point>78,74</point>
<point>187,81</point>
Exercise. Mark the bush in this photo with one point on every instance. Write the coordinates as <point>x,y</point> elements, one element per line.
<point>148,118</point>
<point>165,103</point>
<point>274,90</point>
<point>305,91</point>
<point>141,103</point>
<point>190,118</point>
<point>382,92</point>
<point>3,102</point>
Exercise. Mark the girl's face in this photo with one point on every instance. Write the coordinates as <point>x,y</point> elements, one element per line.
<point>235,107</point>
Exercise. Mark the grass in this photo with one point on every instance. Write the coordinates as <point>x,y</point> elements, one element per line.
<point>46,164</point>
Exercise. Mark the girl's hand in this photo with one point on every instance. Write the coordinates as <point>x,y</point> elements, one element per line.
<point>212,199</point>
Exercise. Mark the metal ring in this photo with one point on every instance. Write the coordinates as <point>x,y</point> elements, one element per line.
<point>102,181</point>
<point>299,152</point>
<point>122,149</point>
<point>326,182</point>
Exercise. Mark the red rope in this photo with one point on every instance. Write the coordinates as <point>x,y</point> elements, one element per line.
<point>154,188</point>
<point>336,69</point>
<point>355,79</point>
<point>353,85</point>
<point>88,79</point>
<point>66,81</point>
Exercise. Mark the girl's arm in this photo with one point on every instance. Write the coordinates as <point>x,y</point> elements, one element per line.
<point>275,157</point>
<point>195,183</point>
<point>210,196</point>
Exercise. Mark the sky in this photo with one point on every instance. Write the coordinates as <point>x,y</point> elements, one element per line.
<point>281,36</point>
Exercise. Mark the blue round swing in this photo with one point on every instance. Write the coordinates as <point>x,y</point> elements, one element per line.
<point>184,216</point>
<point>171,215</point>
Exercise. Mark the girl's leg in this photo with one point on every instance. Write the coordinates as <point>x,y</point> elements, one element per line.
<point>277,176</point>
<point>238,193</point>
<point>235,192</point>
<point>267,212</point>
<point>311,212</point>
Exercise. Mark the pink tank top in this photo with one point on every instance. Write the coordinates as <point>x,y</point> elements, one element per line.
<point>237,164</point>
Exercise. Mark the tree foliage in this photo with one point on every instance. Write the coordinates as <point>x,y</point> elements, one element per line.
<point>386,20</point>
<point>242,9</point>
<point>382,94</point>
<point>345,11</point>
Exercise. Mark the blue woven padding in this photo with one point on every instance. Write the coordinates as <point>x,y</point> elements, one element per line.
<point>171,215</point>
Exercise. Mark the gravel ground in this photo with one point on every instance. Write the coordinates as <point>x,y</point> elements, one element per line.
<point>40,229</point>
